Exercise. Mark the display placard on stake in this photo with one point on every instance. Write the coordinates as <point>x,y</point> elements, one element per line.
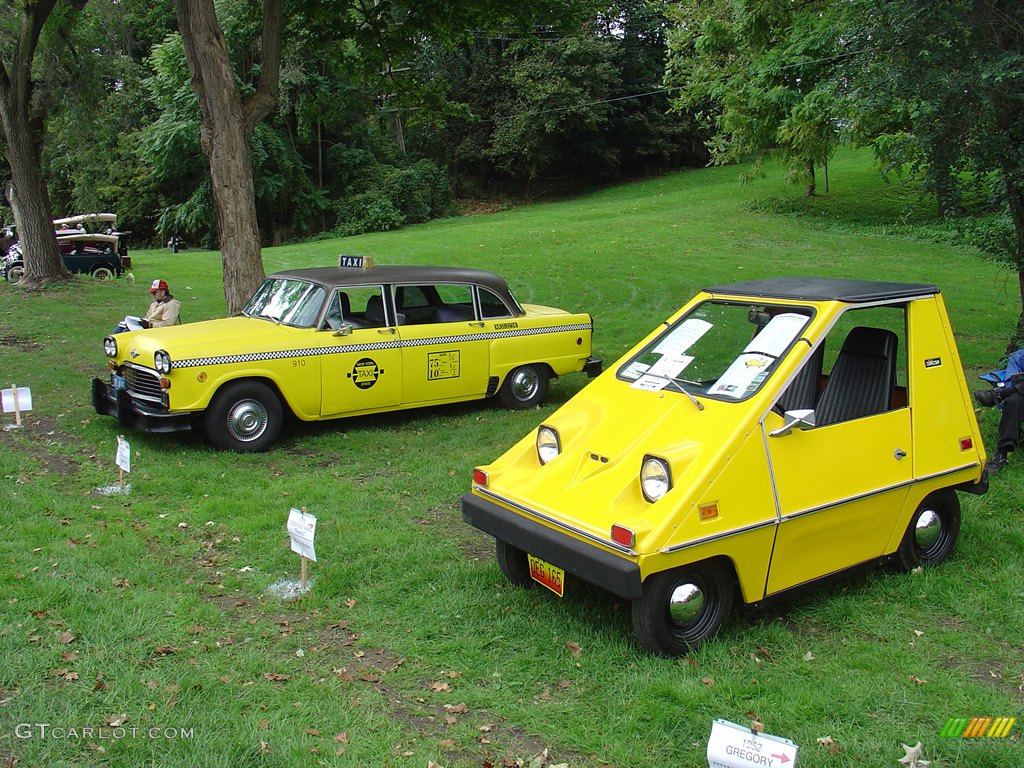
<point>16,400</point>
<point>302,531</point>
<point>123,459</point>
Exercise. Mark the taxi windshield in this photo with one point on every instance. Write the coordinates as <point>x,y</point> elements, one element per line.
<point>725,350</point>
<point>289,302</point>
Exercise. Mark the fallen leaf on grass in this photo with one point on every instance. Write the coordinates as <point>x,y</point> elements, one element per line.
<point>456,709</point>
<point>439,687</point>
<point>342,737</point>
<point>275,677</point>
<point>912,758</point>
<point>707,681</point>
<point>65,638</point>
<point>808,656</point>
<point>574,648</point>
<point>830,744</point>
<point>917,680</point>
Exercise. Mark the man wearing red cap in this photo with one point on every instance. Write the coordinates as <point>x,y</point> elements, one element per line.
<point>163,311</point>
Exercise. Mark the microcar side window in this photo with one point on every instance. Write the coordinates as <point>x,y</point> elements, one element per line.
<point>720,349</point>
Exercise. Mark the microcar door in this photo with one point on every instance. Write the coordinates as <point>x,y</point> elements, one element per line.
<point>840,484</point>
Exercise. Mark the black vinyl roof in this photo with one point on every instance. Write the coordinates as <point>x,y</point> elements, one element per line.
<point>335,277</point>
<point>824,289</point>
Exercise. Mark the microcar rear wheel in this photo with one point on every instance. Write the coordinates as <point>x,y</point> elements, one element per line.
<point>103,273</point>
<point>932,532</point>
<point>524,387</point>
<point>512,562</point>
<point>15,272</point>
<point>244,416</point>
<point>682,608</point>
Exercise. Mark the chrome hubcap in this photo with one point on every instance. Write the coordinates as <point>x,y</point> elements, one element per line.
<point>525,383</point>
<point>686,603</point>
<point>927,529</point>
<point>247,420</point>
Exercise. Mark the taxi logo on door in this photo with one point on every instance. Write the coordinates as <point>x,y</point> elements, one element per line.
<point>365,373</point>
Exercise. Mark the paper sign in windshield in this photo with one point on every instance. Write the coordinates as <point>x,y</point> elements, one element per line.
<point>778,334</point>
<point>740,377</point>
<point>302,530</point>
<point>683,337</point>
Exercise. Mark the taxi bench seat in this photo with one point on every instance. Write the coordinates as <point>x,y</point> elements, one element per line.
<point>863,378</point>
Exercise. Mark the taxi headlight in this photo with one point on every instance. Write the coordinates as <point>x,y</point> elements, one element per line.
<point>548,444</point>
<point>655,478</point>
<point>110,346</point>
<point>162,362</point>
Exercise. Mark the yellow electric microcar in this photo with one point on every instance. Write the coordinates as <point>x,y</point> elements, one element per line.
<point>767,435</point>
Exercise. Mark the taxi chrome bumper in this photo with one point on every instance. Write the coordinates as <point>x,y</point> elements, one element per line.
<point>604,569</point>
<point>135,414</point>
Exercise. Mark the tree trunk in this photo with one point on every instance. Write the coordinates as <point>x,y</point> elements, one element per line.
<point>224,136</point>
<point>30,200</point>
<point>812,188</point>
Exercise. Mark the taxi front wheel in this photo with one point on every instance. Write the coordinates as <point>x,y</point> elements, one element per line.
<point>244,416</point>
<point>932,532</point>
<point>512,562</point>
<point>524,387</point>
<point>682,608</point>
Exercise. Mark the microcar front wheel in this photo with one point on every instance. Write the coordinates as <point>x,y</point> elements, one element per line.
<point>512,562</point>
<point>682,608</point>
<point>932,532</point>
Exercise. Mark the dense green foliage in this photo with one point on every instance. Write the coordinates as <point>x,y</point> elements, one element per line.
<point>151,609</point>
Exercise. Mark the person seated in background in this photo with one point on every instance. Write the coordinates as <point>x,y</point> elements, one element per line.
<point>1008,395</point>
<point>163,311</point>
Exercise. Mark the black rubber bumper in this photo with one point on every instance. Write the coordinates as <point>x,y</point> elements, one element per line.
<point>593,367</point>
<point>590,563</point>
<point>133,415</point>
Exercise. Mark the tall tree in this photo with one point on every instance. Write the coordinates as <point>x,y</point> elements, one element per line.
<point>22,115</point>
<point>225,135</point>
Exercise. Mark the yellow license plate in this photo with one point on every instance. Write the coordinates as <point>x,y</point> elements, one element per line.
<point>551,576</point>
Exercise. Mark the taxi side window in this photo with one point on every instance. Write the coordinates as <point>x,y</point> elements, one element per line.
<point>456,303</point>
<point>366,307</point>
<point>491,305</point>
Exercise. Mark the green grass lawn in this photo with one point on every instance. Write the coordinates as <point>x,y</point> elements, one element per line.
<point>137,629</point>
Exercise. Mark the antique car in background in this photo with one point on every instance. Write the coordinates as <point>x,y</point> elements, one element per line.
<point>89,244</point>
<point>328,342</point>
<point>768,435</point>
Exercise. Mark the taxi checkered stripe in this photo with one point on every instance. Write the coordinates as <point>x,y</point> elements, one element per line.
<point>255,357</point>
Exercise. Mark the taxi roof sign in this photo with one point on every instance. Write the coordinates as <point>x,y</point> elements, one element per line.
<point>355,262</point>
<point>733,746</point>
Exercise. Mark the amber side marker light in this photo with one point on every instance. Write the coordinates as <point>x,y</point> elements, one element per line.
<point>479,478</point>
<point>708,511</point>
<point>622,535</point>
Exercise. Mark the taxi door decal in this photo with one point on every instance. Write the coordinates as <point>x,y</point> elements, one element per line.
<point>365,373</point>
<point>443,365</point>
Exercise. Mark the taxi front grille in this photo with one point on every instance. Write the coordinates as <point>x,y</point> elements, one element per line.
<point>142,383</point>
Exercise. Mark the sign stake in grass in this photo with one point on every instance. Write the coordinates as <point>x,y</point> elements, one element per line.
<point>302,530</point>
<point>15,400</point>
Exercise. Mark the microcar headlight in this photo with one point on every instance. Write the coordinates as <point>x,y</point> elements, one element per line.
<point>655,478</point>
<point>162,362</point>
<point>548,444</point>
<point>110,346</point>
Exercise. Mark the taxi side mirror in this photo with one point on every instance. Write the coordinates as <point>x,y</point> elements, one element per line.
<point>802,418</point>
<point>345,330</point>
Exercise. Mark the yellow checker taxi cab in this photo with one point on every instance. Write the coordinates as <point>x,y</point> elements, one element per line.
<point>328,342</point>
<point>769,434</point>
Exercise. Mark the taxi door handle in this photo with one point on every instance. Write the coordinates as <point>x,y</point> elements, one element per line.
<point>900,454</point>
<point>392,331</point>
<point>478,324</point>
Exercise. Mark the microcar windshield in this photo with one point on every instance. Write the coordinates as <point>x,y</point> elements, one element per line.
<point>289,302</point>
<point>724,350</point>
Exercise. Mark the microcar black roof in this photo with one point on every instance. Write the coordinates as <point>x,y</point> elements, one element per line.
<point>824,289</point>
<point>334,277</point>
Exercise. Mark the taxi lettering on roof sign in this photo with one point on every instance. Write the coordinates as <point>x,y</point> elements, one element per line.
<point>342,341</point>
<point>769,434</point>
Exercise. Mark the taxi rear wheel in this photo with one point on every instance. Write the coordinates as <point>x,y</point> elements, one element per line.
<point>512,562</point>
<point>682,608</point>
<point>244,416</point>
<point>932,532</point>
<point>524,387</point>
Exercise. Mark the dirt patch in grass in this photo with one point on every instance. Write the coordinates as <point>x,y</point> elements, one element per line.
<point>9,339</point>
<point>35,434</point>
<point>472,543</point>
